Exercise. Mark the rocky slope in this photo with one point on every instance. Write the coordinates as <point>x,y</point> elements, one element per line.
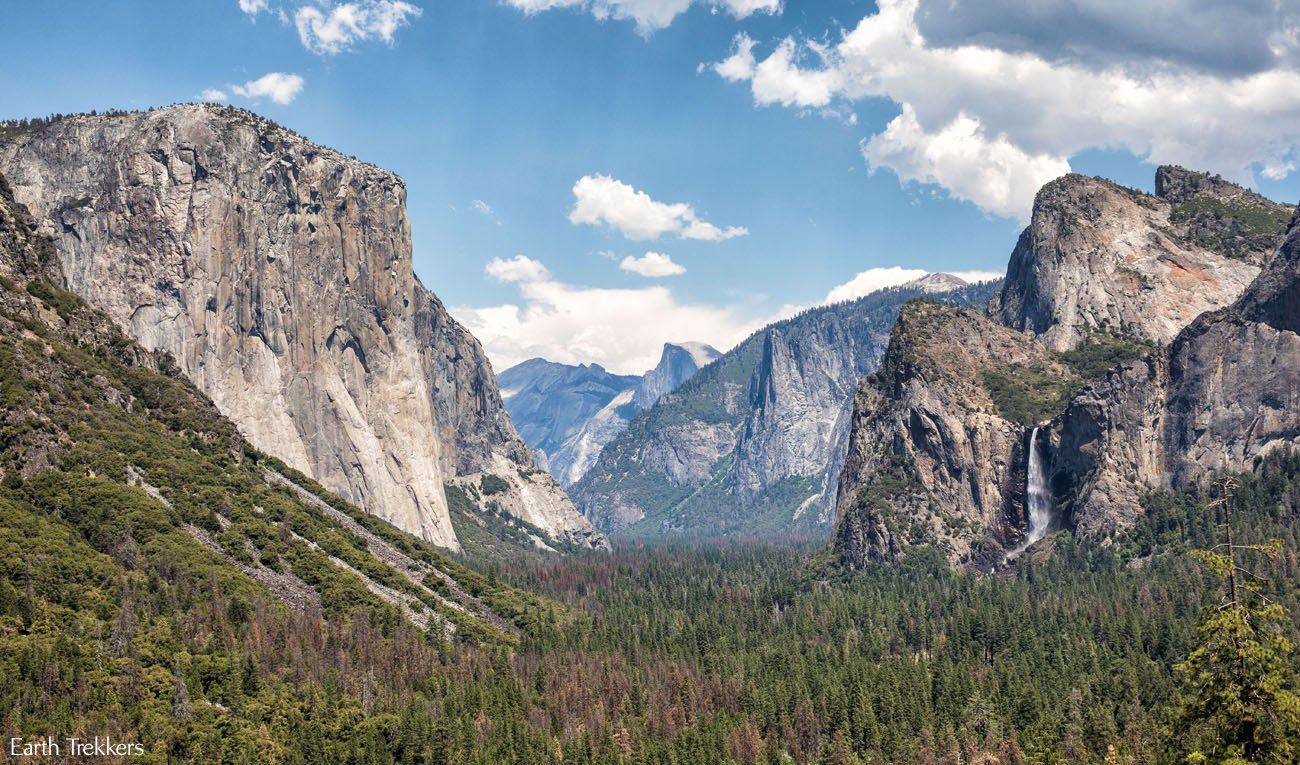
<point>114,468</point>
<point>1225,392</point>
<point>549,402</point>
<point>936,454</point>
<point>278,274</point>
<point>1098,256</point>
<point>568,413</point>
<point>747,445</point>
<point>1101,279</point>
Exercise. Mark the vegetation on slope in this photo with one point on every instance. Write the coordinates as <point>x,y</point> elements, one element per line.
<point>1232,227</point>
<point>1029,395</point>
<point>161,582</point>
<point>718,396</point>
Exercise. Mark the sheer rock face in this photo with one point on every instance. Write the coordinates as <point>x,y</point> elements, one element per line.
<point>798,395</point>
<point>677,363</point>
<point>1224,392</point>
<point>752,444</point>
<point>928,466</point>
<point>568,413</point>
<point>1097,256</point>
<point>930,459</point>
<point>278,275</point>
<point>550,402</point>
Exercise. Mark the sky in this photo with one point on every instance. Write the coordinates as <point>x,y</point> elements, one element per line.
<point>588,179</point>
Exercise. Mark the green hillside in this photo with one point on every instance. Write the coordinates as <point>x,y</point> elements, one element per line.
<point>162,582</point>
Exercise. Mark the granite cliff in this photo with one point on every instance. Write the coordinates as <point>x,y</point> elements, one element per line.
<point>1225,392</point>
<point>1100,257</point>
<point>567,413</point>
<point>1092,343</point>
<point>750,445</point>
<point>933,459</point>
<point>115,468</point>
<point>278,274</point>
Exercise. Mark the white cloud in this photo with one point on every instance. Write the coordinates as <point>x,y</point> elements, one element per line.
<point>624,330</point>
<point>481,206</point>
<point>649,15</point>
<point>621,329</point>
<point>214,94</point>
<point>876,279</point>
<point>252,7</point>
<point>601,199</point>
<point>975,277</point>
<point>520,268</point>
<point>778,79</point>
<point>328,29</point>
<point>994,174</point>
<point>989,125</point>
<point>652,264</point>
<point>277,86</point>
<point>872,280</point>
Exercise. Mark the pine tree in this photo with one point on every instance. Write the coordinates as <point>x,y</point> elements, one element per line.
<point>1241,703</point>
<point>181,707</point>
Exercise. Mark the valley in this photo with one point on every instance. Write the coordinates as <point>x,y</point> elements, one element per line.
<point>263,499</point>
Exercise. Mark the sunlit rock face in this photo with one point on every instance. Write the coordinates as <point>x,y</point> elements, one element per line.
<point>1179,278</point>
<point>278,274</point>
<point>1100,257</point>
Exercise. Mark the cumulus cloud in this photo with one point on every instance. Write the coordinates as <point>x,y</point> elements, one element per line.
<point>621,329</point>
<point>876,279</point>
<point>601,199</point>
<point>520,268</point>
<point>1240,37</point>
<point>651,265</point>
<point>328,29</point>
<point>253,7</point>
<point>279,87</point>
<point>481,206</point>
<point>989,124</point>
<point>975,277</point>
<point>215,94</point>
<point>873,280</point>
<point>993,173</point>
<point>649,15</point>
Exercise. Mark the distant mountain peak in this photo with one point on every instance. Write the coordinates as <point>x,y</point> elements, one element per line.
<point>937,282</point>
<point>567,413</point>
<point>701,353</point>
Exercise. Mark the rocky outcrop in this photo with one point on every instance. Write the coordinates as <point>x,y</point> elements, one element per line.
<point>549,402</point>
<point>934,458</point>
<point>1225,392</point>
<point>1128,362</point>
<point>677,363</point>
<point>1100,257</point>
<point>278,274</point>
<point>568,413</point>
<point>749,444</point>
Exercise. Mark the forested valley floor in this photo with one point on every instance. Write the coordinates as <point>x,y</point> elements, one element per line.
<point>749,653</point>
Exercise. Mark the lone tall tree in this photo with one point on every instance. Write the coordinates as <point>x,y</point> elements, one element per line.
<point>1241,703</point>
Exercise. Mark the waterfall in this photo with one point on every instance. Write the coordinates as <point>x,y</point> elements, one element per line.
<point>1038,498</point>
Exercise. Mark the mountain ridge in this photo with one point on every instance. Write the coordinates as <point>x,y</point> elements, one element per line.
<point>746,446</point>
<point>203,230</point>
<point>1087,359</point>
<point>571,411</point>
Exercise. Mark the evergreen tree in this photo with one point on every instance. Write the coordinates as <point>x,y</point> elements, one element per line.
<point>1241,703</point>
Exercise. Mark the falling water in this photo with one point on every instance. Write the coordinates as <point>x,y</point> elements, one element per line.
<point>1038,499</point>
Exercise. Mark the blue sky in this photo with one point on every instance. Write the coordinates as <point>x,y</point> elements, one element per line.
<point>830,165</point>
